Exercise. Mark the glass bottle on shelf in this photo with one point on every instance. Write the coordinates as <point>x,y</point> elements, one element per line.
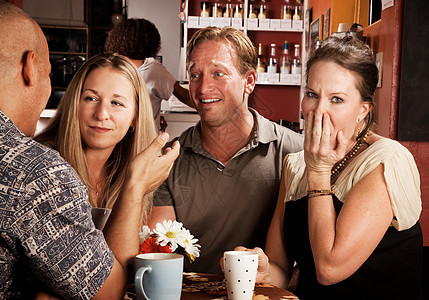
<point>227,12</point>
<point>263,10</point>
<point>238,10</point>
<point>296,61</point>
<point>286,12</point>
<point>260,67</point>
<point>272,60</point>
<point>252,11</point>
<point>205,9</point>
<point>297,13</point>
<point>217,10</point>
<point>285,60</point>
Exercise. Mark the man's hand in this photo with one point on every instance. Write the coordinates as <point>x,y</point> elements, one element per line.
<point>263,262</point>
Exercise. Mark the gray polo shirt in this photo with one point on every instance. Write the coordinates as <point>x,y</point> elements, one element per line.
<point>232,205</point>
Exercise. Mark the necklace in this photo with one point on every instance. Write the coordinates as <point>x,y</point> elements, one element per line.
<point>99,186</point>
<point>339,166</point>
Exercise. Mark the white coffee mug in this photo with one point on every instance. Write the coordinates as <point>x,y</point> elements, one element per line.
<point>158,276</point>
<point>240,274</point>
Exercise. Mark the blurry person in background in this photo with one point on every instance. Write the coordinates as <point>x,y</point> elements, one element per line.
<point>139,40</point>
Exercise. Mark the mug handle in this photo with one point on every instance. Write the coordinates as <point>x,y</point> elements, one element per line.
<point>138,281</point>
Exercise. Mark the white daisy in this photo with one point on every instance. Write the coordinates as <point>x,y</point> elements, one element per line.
<point>171,233</point>
<point>191,246</point>
<point>144,233</point>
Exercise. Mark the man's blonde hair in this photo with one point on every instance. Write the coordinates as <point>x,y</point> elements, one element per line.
<point>246,56</point>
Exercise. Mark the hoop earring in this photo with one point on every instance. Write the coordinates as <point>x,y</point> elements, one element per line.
<point>131,129</point>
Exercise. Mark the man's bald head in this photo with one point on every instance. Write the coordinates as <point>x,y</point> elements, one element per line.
<point>19,33</point>
<point>24,68</point>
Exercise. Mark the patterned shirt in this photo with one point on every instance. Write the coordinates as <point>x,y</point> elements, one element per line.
<point>46,230</point>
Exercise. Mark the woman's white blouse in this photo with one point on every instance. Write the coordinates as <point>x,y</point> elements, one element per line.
<point>400,172</point>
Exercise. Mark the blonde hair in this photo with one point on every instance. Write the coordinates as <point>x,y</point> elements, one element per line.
<point>65,132</point>
<point>246,56</point>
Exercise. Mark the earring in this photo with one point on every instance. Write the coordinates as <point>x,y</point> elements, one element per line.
<point>358,128</point>
<point>131,129</point>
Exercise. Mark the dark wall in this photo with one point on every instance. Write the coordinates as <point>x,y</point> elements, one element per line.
<point>413,122</point>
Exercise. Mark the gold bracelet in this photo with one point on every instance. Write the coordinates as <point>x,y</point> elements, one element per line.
<point>310,192</point>
<point>312,195</point>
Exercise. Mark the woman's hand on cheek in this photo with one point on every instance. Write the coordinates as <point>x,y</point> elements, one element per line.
<point>319,154</point>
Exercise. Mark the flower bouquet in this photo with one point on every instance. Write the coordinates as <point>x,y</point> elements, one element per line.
<point>169,237</point>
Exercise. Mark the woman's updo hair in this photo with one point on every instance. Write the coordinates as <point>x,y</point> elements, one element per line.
<point>355,56</point>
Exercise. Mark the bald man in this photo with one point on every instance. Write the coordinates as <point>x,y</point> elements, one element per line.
<point>46,231</point>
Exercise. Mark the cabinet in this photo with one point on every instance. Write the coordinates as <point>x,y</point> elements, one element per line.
<point>99,19</point>
<point>274,100</point>
<point>68,50</point>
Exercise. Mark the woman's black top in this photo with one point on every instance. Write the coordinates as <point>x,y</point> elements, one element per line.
<point>393,271</point>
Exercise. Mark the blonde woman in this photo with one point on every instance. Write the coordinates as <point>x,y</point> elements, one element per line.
<point>104,119</point>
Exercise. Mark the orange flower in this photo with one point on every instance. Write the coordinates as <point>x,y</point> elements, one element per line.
<point>150,246</point>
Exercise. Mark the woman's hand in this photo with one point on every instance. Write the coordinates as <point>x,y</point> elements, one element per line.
<point>149,169</point>
<point>319,155</point>
<point>263,263</point>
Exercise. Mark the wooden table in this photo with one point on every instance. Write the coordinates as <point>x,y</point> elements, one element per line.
<point>197,286</point>
<point>205,286</point>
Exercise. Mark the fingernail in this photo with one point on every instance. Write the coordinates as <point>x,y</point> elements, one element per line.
<point>164,136</point>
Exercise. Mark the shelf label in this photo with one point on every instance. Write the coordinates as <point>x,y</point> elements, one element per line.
<point>204,21</point>
<point>295,78</point>
<point>215,22</point>
<point>193,21</point>
<point>264,23</point>
<point>225,22</point>
<point>237,22</point>
<point>297,24</point>
<point>285,24</point>
<point>262,77</point>
<point>274,77</point>
<point>285,78</point>
<point>275,23</point>
<point>252,23</point>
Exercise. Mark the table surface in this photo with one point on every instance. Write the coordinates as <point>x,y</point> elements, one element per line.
<point>207,286</point>
<point>198,286</point>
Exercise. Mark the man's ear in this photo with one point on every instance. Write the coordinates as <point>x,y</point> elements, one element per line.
<point>250,82</point>
<point>29,68</point>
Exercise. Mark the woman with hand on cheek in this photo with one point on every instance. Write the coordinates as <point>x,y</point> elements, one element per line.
<point>349,204</point>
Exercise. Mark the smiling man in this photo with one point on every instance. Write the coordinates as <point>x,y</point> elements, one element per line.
<point>224,185</point>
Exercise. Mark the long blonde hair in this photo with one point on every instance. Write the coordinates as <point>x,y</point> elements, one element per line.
<point>64,129</point>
